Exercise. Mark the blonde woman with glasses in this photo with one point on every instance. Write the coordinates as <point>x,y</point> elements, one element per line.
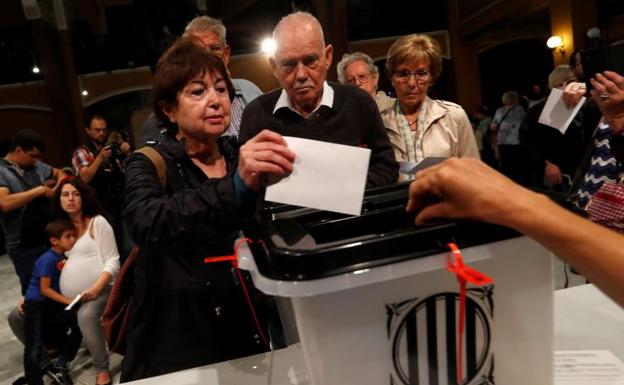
<point>418,126</point>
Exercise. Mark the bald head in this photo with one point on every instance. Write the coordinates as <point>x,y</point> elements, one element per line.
<point>301,23</point>
<point>301,60</point>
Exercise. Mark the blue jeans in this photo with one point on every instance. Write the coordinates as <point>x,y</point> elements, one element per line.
<point>24,263</point>
<point>37,313</point>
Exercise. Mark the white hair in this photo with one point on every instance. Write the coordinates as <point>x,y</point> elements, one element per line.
<point>561,75</point>
<point>350,58</point>
<point>206,24</point>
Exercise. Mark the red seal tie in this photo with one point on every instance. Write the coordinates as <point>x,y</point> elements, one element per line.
<point>464,274</point>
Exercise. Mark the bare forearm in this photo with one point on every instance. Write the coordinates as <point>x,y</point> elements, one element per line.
<point>104,279</point>
<point>87,173</point>
<point>55,296</point>
<point>595,251</point>
<point>17,200</point>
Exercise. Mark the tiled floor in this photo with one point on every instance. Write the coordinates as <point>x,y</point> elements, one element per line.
<point>11,350</point>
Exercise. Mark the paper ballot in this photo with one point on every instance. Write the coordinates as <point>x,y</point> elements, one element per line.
<point>326,176</point>
<point>587,367</point>
<point>555,113</point>
<point>74,302</point>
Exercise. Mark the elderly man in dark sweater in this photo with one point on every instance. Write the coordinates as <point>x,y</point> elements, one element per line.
<point>309,107</point>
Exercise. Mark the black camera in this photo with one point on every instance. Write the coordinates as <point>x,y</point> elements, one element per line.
<point>116,152</point>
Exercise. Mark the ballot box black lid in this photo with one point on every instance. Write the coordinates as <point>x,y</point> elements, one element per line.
<point>293,243</point>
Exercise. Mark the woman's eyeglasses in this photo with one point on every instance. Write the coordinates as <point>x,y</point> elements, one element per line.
<point>405,75</point>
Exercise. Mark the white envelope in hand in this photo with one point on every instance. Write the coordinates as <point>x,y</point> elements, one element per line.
<point>555,113</point>
<point>326,176</point>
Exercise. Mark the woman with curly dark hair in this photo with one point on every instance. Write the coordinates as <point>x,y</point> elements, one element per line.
<point>183,312</point>
<point>91,266</point>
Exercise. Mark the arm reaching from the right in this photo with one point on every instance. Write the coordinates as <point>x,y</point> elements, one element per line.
<point>469,189</point>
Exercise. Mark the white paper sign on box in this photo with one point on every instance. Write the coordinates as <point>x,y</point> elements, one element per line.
<point>326,176</point>
<point>587,367</point>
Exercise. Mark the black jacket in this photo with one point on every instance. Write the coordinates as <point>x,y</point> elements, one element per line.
<point>185,313</point>
<point>565,151</point>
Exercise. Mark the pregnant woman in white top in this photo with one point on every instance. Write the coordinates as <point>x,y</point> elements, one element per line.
<point>90,268</point>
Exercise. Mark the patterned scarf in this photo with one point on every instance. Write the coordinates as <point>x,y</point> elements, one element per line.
<point>413,142</point>
<point>603,167</point>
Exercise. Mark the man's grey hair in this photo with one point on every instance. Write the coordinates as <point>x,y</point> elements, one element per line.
<point>350,58</point>
<point>206,24</point>
<point>510,97</point>
<point>298,18</point>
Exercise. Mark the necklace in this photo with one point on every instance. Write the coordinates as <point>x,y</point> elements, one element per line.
<point>410,123</point>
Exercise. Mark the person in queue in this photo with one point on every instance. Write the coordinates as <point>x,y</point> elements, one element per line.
<point>91,266</point>
<point>26,187</point>
<point>418,126</point>
<point>307,106</point>
<point>505,128</point>
<point>183,312</point>
<point>468,189</point>
<point>359,69</point>
<point>209,33</point>
<point>557,154</point>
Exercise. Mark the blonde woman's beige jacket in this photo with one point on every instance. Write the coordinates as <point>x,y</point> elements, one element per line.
<point>447,131</point>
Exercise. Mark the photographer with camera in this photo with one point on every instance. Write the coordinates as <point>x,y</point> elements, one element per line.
<point>100,162</point>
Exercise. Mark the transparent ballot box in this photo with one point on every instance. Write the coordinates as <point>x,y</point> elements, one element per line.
<point>374,303</point>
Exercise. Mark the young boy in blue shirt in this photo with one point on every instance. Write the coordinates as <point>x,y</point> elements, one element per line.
<point>44,301</point>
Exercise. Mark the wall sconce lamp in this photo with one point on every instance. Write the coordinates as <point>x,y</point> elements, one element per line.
<point>556,43</point>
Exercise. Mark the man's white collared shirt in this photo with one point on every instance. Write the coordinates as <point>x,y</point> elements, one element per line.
<point>327,99</point>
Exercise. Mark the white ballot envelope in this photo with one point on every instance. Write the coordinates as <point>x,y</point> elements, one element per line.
<point>555,113</point>
<point>326,176</point>
<point>74,302</point>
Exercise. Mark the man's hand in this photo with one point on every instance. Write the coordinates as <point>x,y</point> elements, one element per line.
<point>265,153</point>
<point>465,188</point>
<point>609,95</point>
<point>49,193</point>
<point>552,173</point>
<point>125,148</point>
<point>105,152</point>
<point>45,191</point>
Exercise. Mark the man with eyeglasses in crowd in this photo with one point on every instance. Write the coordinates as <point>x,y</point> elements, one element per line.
<point>359,69</point>
<point>307,106</point>
<point>210,33</point>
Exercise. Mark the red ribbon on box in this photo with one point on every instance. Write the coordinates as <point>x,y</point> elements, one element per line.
<point>234,260</point>
<point>464,274</point>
